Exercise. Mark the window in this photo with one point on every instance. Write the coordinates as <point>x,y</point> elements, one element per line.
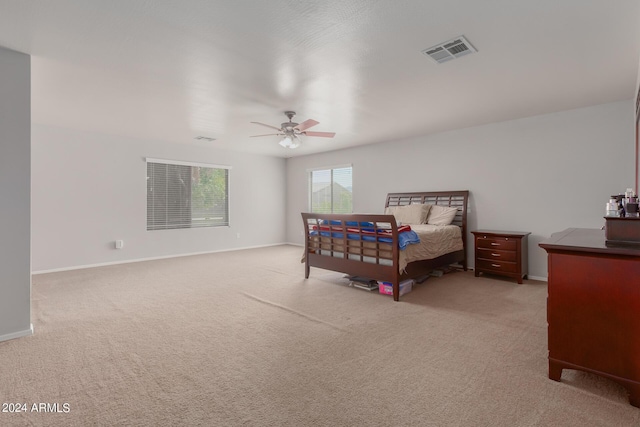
<point>330,190</point>
<point>186,195</point>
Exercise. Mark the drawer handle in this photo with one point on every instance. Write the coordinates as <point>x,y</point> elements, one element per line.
<point>495,244</point>
<point>494,254</point>
<point>495,265</point>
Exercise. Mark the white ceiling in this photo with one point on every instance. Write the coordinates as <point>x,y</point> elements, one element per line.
<point>171,70</point>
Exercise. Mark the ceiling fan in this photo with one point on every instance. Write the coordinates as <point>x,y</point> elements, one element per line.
<point>291,131</point>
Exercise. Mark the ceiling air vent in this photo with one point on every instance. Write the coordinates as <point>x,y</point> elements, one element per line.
<point>204,138</point>
<point>452,49</point>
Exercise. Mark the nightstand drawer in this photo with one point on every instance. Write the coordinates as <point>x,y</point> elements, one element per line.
<point>497,255</point>
<point>488,265</point>
<point>501,243</point>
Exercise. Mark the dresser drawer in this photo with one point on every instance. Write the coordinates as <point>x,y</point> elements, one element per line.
<point>497,255</point>
<point>501,243</point>
<point>499,266</point>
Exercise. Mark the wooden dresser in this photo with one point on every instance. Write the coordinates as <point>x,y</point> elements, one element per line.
<point>501,252</point>
<point>593,307</point>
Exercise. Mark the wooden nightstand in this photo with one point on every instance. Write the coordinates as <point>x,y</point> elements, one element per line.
<point>502,253</point>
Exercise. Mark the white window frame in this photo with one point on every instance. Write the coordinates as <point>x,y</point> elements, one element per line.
<point>310,183</point>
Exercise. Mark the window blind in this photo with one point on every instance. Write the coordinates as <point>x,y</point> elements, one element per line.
<point>186,195</point>
<point>330,190</point>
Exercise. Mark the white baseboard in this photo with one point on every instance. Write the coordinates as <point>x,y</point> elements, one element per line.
<point>529,277</point>
<point>19,334</point>
<point>103,264</point>
<point>128,261</point>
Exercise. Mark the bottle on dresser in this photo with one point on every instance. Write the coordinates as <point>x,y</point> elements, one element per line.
<point>631,203</point>
<point>612,207</point>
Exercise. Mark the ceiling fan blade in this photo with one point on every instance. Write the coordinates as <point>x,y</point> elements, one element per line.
<point>322,134</point>
<point>306,124</point>
<point>269,126</point>
<point>267,134</point>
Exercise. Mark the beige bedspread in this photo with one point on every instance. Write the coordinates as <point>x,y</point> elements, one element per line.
<point>435,240</point>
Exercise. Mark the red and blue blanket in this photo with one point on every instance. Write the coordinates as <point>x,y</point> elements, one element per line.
<point>367,232</point>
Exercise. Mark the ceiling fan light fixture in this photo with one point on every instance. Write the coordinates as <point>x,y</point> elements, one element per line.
<point>285,142</point>
<point>290,141</point>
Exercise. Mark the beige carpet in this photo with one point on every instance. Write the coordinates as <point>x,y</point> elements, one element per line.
<point>240,338</point>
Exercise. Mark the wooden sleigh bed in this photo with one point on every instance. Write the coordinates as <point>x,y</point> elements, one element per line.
<point>373,251</point>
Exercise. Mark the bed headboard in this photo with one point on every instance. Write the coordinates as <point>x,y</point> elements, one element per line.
<point>456,199</point>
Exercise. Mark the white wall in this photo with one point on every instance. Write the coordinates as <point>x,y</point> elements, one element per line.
<point>540,174</point>
<point>15,196</point>
<point>90,189</point>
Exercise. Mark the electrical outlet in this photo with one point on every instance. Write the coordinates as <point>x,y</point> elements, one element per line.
<point>238,235</point>
<point>119,244</point>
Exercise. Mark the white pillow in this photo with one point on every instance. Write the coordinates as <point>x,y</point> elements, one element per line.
<point>409,214</point>
<point>441,215</point>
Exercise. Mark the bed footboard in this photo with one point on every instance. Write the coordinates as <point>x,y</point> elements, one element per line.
<point>355,244</point>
